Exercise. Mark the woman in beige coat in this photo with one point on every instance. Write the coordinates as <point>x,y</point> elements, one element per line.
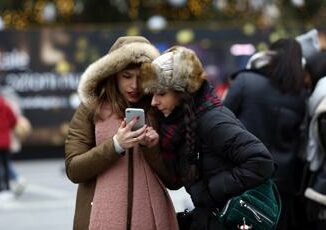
<point>119,171</point>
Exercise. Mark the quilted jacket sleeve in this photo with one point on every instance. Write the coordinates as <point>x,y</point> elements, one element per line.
<point>250,163</point>
<point>84,160</point>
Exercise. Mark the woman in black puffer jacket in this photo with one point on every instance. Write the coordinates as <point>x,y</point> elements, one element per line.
<point>193,120</point>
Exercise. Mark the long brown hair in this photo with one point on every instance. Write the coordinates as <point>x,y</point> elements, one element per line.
<point>285,69</point>
<point>108,92</point>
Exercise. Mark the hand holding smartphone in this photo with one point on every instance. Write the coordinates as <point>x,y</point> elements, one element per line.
<point>131,113</point>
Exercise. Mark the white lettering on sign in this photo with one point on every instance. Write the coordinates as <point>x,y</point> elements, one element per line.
<point>35,82</point>
<point>14,60</point>
<point>44,102</point>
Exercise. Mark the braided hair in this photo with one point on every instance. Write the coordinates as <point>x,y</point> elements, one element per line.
<point>190,155</point>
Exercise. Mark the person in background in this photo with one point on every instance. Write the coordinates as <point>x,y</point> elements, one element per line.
<point>117,169</point>
<point>8,121</point>
<point>315,189</point>
<point>269,99</point>
<point>20,132</point>
<point>193,121</point>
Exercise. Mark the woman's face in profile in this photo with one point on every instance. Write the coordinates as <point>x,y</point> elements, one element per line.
<point>166,101</point>
<point>128,84</point>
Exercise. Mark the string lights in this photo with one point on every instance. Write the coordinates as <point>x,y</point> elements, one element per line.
<point>21,14</point>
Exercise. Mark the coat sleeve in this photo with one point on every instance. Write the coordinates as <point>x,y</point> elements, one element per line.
<point>84,160</point>
<point>234,96</point>
<point>251,162</point>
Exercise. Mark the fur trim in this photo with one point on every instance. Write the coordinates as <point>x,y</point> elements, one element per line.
<point>140,51</point>
<point>178,68</point>
<point>149,77</point>
<point>315,196</point>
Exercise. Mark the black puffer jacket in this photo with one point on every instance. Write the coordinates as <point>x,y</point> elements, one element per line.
<point>232,160</point>
<point>273,117</point>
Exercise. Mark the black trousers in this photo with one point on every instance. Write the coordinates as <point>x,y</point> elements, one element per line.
<point>4,170</point>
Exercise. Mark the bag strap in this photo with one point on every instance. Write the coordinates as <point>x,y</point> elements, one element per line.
<point>130,187</point>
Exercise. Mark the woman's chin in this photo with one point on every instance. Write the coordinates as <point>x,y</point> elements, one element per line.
<point>133,99</point>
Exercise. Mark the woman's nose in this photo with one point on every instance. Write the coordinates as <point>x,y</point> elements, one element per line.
<point>154,101</point>
<point>134,83</point>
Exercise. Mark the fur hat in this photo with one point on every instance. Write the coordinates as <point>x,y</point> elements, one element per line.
<point>309,43</point>
<point>178,69</point>
<point>126,50</point>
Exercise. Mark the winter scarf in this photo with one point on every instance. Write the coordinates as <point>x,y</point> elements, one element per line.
<point>172,128</point>
<point>151,208</point>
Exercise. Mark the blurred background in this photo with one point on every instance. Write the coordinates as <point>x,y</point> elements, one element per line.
<point>45,45</point>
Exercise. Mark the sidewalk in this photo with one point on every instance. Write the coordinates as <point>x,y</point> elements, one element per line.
<point>48,201</point>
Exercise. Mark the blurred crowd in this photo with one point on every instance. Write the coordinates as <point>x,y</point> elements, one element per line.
<point>280,98</point>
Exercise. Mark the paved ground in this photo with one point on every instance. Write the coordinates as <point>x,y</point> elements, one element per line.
<point>48,201</point>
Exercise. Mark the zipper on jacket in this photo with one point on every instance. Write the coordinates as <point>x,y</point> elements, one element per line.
<point>258,215</point>
<point>225,208</point>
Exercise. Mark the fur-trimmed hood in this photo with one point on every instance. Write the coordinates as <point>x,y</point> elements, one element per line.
<point>178,68</point>
<point>126,50</point>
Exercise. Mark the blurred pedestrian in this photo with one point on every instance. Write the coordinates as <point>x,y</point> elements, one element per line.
<point>193,121</point>
<point>117,183</point>
<point>315,189</point>
<point>269,99</point>
<point>7,124</point>
<point>22,129</point>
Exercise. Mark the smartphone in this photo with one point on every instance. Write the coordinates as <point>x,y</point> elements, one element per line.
<point>130,113</point>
